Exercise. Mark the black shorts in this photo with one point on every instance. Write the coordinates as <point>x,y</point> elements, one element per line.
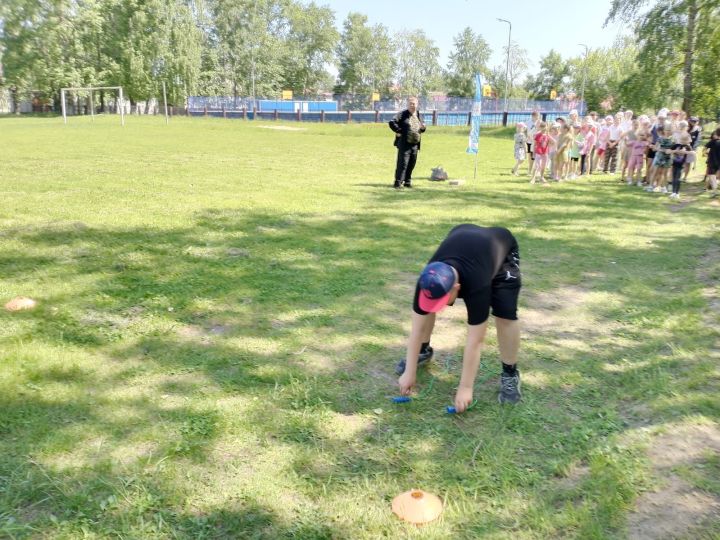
<point>651,154</point>
<point>529,146</point>
<point>712,169</point>
<point>502,294</point>
<point>574,159</point>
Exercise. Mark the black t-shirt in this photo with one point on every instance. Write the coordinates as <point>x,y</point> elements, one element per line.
<point>713,158</point>
<point>695,137</point>
<point>679,159</point>
<point>478,254</point>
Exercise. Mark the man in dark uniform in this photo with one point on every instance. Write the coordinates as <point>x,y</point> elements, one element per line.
<point>481,265</point>
<point>408,127</point>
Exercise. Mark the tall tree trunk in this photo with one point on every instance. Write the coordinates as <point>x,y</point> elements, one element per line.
<point>689,49</point>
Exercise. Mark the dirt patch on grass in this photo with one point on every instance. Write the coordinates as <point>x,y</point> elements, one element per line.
<point>574,477</point>
<point>677,506</point>
<point>691,193</point>
<point>567,317</point>
<point>202,334</point>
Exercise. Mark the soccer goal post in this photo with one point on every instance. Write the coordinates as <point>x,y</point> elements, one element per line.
<point>120,100</point>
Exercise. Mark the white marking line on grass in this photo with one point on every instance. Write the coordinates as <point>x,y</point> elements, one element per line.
<point>283,128</point>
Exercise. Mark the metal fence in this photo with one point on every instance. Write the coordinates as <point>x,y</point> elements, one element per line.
<point>354,102</point>
<point>344,108</point>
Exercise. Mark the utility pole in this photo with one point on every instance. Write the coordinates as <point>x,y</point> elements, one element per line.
<point>582,92</point>
<point>507,63</point>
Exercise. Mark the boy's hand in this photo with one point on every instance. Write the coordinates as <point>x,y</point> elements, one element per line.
<point>463,399</point>
<point>406,382</point>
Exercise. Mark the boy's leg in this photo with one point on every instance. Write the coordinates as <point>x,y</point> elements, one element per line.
<point>676,173</point>
<point>506,287</point>
<point>508,336</point>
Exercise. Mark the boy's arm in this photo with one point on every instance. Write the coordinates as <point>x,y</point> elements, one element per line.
<point>420,325</point>
<point>471,361</point>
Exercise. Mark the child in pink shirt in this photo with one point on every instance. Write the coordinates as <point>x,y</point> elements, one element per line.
<point>602,140</point>
<point>638,148</point>
<point>586,150</point>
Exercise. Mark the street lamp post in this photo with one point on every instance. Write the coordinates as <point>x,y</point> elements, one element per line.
<point>582,92</point>
<point>507,63</point>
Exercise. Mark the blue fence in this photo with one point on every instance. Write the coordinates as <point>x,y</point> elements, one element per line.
<point>434,118</point>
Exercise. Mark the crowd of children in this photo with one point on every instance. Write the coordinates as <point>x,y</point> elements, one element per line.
<point>653,152</point>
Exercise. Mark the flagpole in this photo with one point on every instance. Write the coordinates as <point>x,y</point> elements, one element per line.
<point>475,118</point>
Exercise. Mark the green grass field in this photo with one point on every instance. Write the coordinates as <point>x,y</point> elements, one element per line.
<point>221,306</point>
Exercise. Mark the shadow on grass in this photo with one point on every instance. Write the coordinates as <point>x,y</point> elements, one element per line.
<point>229,300</point>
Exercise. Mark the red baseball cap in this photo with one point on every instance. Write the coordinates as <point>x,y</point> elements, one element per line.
<point>436,282</point>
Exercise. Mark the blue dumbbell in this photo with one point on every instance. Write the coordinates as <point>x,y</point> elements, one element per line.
<point>401,399</point>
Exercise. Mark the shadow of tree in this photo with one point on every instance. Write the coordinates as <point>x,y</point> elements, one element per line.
<point>296,321</point>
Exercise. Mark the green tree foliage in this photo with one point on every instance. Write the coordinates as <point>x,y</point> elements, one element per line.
<point>365,57</point>
<point>516,67</point>
<point>71,43</point>
<point>418,67</point>
<point>669,33</point>
<point>310,44</point>
<point>250,51</point>
<point>553,75</point>
<point>605,71</point>
<point>706,95</point>
<point>470,55</point>
<point>41,45</point>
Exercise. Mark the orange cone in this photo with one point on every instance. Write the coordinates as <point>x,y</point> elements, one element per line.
<point>417,506</point>
<point>20,303</point>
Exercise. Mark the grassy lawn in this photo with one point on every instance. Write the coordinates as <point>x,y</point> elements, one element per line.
<point>221,306</point>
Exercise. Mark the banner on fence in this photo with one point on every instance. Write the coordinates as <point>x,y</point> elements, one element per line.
<point>476,113</point>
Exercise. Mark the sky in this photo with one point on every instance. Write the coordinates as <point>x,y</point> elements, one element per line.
<point>537,26</point>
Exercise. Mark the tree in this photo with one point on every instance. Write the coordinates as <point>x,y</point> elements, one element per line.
<point>418,67</point>
<point>706,94</point>
<point>470,55</point>
<point>604,71</point>
<point>364,57</point>
<point>517,66</point>
<point>251,44</point>
<point>667,24</point>
<point>310,44</point>
<point>552,76</point>
<point>41,46</point>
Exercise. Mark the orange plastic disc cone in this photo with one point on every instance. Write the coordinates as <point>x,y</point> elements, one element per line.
<point>20,303</point>
<point>417,506</point>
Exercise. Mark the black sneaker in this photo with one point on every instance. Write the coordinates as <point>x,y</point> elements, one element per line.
<point>407,185</point>
<point>423,358</point>
<point>510,388</point>
<point>397,185</point>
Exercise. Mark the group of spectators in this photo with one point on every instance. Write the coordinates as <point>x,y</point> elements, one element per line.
<point>644,149</point>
